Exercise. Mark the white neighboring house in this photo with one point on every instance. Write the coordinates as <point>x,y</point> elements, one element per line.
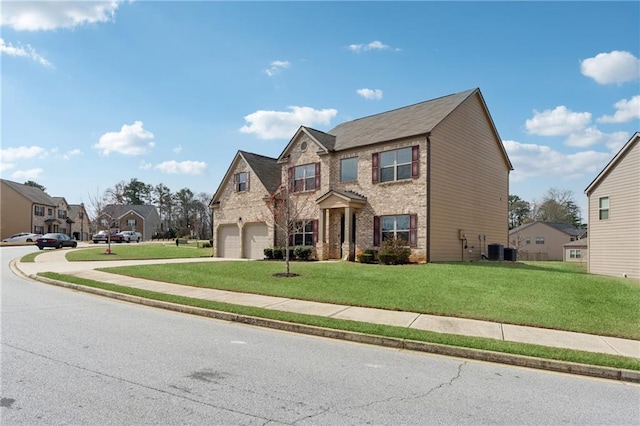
<point>614,215</point>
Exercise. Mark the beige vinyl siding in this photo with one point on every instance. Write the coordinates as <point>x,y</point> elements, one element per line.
<point>552,249</point>
<point>469,185</point>
<point>614,243</point>
<point>16,213</point>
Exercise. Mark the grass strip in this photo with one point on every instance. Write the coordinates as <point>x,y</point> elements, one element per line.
<point>552,295</point>
<point>132,251</point>
<point>29,258</point>
<point>515,348</point>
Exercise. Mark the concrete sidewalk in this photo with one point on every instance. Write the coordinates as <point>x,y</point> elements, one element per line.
<point>54,261</point>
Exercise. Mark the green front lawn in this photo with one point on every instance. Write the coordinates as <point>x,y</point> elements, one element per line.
<point>134,251</point>
<point>542,294</point>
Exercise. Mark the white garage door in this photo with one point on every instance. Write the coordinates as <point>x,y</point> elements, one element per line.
<point>255,240</point>
<point>228,241</point>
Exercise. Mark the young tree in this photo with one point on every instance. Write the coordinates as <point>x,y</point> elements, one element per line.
<point>186,206</point>
<point>163,199</point>
<point>289,216</point>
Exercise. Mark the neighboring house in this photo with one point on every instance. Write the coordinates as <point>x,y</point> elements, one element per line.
<point>434,173</point>
<point>131,217</point>
<point>81,223</point>
<point>576,251</point>
<point>614,215</point>
<point>62,219</point>
<point>25,208</point>
<point>543,240</point>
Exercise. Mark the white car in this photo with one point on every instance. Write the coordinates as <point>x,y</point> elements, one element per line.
<point>129,236</point>
<point>22,237</point>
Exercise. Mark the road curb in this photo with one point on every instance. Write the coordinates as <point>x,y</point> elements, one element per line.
<point>610,373</point>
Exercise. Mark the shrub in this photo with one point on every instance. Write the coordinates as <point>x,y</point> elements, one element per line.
<point>278,253</point>
<point>268,253</point>
<point>365,258</point>
<point>302,252</point>
<point>394,251</point>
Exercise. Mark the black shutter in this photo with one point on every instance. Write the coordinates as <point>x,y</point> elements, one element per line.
<point>376,231</point>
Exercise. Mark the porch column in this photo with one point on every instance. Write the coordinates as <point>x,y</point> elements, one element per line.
<point>347,245</point>
<point>321,231</point>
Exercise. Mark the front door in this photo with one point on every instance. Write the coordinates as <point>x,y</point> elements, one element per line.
<point>353,231</point>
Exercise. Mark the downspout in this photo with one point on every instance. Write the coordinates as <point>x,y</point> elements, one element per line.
<point>428,198</point>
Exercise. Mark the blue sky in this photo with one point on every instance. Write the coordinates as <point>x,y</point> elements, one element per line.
<point>98,92</point>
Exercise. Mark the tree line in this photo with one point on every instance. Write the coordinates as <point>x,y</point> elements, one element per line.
<point>182,213</point>
<point>556,205</point>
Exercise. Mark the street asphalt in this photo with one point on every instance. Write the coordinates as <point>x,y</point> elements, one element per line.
<point>55,261</point>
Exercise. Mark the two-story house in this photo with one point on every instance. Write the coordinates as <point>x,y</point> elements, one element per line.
<point>614,214</point>
<point>80,222</point>
<point>544,240</point>
<point>435,174</point>
<point>142,218</point>
<point>25,208</point>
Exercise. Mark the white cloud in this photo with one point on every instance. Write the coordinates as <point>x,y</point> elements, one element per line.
<point>145,165</point>
<point>69,154</point>
<point>559,121</point>
<point>276,67</point>
<point>374,45</point>
<point>24,52</point>
<point>30,174</point>
<point>6,166</point>
<point>130,140</point>
<point>22,153</point>
<point>614,67</point>
<point>281,124</point>
<point>50,15</point>
<point>537,161</point>
<point>627,110</point>
<point>370,93</point>
<point>177,149</point>
<point>591,136</point>
<point>183,167</point>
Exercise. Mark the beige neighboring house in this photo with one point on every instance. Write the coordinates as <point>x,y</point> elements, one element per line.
<point>576,251</point>
<point>142,218</point>
<point>543,240</point>
<point>614,215</point>
<point>434,173</point>
<point>25,208</point>
<point>80,222</point>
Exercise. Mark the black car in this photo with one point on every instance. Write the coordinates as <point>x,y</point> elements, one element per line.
<point>56,240</point>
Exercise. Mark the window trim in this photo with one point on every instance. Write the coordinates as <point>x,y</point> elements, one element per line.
<point>413,229</point>
<point>299,229</point>
<point>605,210</point>
<point>539,240</point>
<point>376,169</point>
<point>575,253</point>
<point>305,178</point>
<point>238,182</point>
<point>342,169</point>
<point>38,211</point>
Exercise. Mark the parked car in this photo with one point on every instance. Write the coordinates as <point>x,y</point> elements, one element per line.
<point>103,237</point>
<point>22,237</point>
<point>129,236</point>
<point>56,240</point>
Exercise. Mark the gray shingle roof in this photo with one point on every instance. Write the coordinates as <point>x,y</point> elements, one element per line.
<point>567,228</point>
<point>116,210</point>
<point>417,119</point>
<point>327,140</point>
<point>266,169</point>
<point>33,194</point>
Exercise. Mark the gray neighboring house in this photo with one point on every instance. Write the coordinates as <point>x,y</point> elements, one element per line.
<point>130,217</point>
<point>543,240</point>
<point>614,214</point>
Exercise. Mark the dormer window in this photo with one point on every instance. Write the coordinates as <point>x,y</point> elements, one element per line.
<point>241,181</point>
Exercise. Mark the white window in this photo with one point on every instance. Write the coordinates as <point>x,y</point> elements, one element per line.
<point>575,253</point>
<point>603,208</point>
<point>395,165</point>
